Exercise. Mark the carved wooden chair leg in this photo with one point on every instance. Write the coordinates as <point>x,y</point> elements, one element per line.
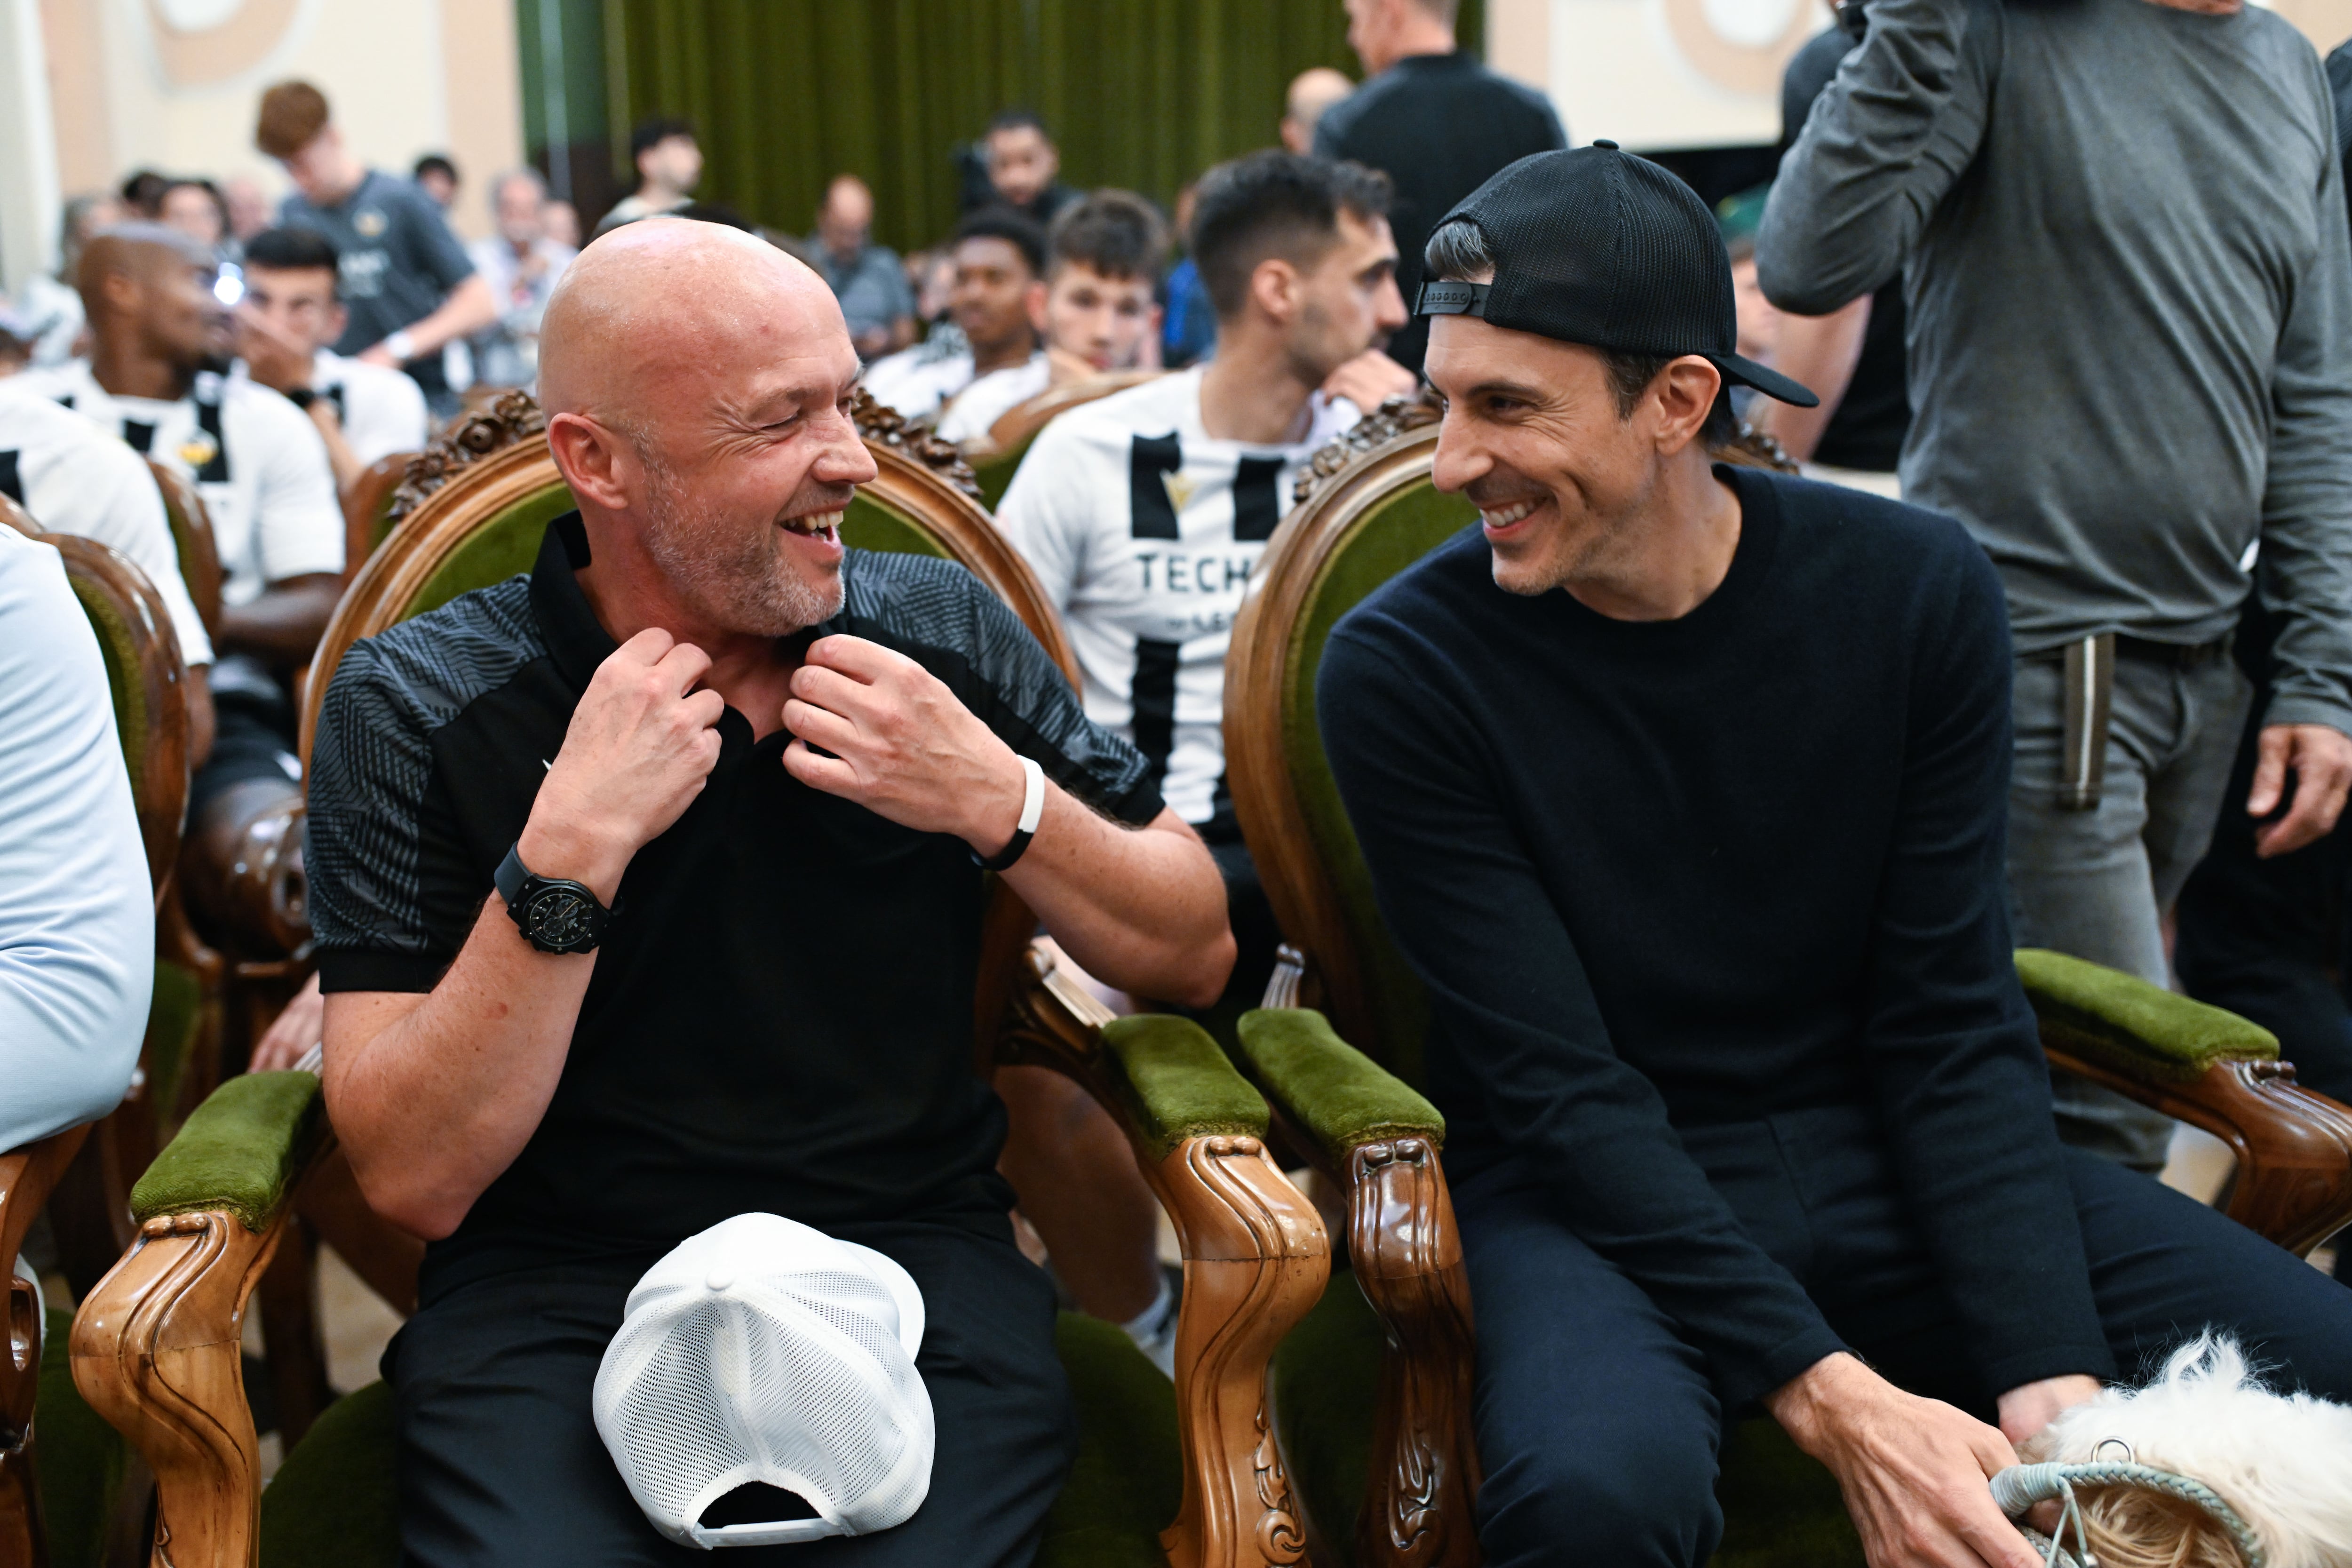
<point>289,1299</point>
<point>1256,1262</point>
<point>1419,1506</point>
<point>155,1351</point>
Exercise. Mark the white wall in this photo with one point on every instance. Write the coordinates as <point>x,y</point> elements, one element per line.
<point>172,85</point>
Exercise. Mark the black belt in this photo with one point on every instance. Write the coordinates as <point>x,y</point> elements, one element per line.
<point>2174,655</point>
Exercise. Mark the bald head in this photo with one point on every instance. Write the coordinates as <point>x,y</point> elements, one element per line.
<point>1311,92</point>
<point>148,292</point>
<point>669,320</point>
<point>144,252</point>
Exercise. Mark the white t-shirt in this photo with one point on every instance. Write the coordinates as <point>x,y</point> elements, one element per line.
<point>979,406</point>
<point>1144,532</point>
<point>382,410</point>
<point>264,474</point>
<point>80,481</point>
<point>76,910</point>
<point>917,381</point>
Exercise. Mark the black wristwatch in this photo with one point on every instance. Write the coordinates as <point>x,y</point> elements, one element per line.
<point>554,914</point>
<point>302,398</point>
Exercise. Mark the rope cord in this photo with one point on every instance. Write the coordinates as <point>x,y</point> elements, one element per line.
<point>2019,1488</point>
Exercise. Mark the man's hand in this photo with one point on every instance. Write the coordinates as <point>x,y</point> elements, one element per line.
<point>2026,1409</point>
<point>1370,379</point>
<point>2321,759</point>
<point>275,360</point>
<point>302,1024</point>
<point>902,745</point>
<point>639,749</point>
<point>1912,1471</point>
<point>379,355</point>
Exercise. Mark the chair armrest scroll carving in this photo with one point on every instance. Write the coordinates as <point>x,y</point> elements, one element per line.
<point>1383,1139</point>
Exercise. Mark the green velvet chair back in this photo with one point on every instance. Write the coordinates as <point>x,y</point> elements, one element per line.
<point>192,539</point>
<point>1360,527</point>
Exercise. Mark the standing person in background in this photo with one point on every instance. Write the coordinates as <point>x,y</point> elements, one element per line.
<point>1024,167</point>
<point>522,264</point>
<point>668,161</point>
<point>436,177</point>
<point>289,315</point>
<point>1436,121</point>
<point>1191,329</point>
<point>407,286</point>
<point>868,280</point>
<point>2130,371</point>
<point>248,209</point>
<point>1312,92</point>
<point>1100,315</point>
<point>1853,357</point>
<point>999,305</point>
<point>1143,514</point>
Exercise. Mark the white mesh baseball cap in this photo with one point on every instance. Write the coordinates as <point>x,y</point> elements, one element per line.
<point>763,1351</point>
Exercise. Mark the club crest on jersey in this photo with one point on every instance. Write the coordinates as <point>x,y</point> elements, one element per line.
<point>1180,488</point>
<point>198,449</point>
<point>369,222</point>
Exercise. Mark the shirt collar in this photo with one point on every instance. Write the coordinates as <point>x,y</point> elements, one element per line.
<point>575,639</point>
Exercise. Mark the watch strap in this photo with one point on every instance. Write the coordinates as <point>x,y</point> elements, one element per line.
<point>518,887</point>
<point>1032,810</point>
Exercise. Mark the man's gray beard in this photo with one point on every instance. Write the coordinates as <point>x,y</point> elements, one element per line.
<point>736,578</point>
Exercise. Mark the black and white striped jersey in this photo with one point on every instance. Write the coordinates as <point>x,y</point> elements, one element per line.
<point>1144,531</point>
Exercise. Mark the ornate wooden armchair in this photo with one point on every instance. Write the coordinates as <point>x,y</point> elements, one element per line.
<point>1186,1476</point>
<point>996,455</point>
<point>367,508</point>
<point>1338,1078</point>
<point>191,531</point>
<point>57,1510</point>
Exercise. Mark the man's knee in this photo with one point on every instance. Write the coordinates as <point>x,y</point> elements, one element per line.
<point>1644,1496</point>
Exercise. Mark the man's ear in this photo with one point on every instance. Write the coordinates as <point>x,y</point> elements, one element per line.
<point>597,463</point>
<point>1683,396</point>
<point>119,289</point>
<point>1033,299</point>
<point>1274,288</point>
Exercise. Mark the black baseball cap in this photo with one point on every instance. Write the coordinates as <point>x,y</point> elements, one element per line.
<point>1600,247</point>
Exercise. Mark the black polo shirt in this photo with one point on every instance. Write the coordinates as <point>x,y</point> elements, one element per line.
<point>780,1019</point>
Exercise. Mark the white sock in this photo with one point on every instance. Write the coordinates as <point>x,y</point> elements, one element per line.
<point>1145,1326</point>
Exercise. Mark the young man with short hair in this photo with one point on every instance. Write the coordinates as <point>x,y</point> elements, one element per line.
<point>257,461</point>
<point>1682,788</point>
<point>1024,167</point>
<point>291,311</point>
<point>407,286</point>
<point>1100,309</point>
<point>998,303</point>
<point>668,161</point>
<point>1143,514</point>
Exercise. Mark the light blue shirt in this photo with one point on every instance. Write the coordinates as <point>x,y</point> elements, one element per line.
<point>76,910</point>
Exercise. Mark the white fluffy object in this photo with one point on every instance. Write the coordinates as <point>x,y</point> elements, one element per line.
<point>2282,1461</point>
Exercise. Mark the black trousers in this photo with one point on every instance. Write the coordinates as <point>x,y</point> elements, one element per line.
<point>1598,1425</point>
<point>500,1463</point>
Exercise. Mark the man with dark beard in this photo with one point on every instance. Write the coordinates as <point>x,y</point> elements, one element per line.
<point>647,891</point>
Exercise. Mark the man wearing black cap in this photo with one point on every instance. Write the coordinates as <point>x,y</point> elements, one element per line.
<point>1682,788</point>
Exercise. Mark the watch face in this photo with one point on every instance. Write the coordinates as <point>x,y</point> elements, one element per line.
<point>561,918</point>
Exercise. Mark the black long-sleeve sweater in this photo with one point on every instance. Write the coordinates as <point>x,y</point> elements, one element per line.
<point>1662,874</point>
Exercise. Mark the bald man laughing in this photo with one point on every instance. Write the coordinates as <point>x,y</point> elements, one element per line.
<point>647,888</point>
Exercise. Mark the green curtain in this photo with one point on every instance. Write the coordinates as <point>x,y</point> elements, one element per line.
<point>1143,94</point>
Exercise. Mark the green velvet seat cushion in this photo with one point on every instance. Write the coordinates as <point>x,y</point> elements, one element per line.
<point>2122,1023</point>
<point>1335,1094</point>
<point>241,1149</point>
<point>78,1458</point>
<point>1781,1509</point>
<point>1178,1083</point>
<point>332,1503</point>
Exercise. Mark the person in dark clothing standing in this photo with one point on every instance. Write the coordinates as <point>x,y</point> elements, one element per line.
<point>1854,356</point>
<point>1682,789</point>
<point>1434,120</point>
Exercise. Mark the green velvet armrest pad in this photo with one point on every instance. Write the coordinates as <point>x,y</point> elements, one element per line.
<point>2124,1024</point>
<point>242,1149</point>
<point>1337,1095</point>
<point>1177,1083</point>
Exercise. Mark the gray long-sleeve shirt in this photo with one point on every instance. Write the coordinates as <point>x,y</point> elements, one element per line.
<point>2130,283</point>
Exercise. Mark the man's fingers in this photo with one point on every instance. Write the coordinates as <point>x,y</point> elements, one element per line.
<point>830,774</point>
<point>819,726</point>
<point>830,689</point>
<point>867,661</point>
<point>704,708</point>
<point>647,646</point>
<point>682,666</point>
<point>2269,770</point>
<point>1995,1540</point>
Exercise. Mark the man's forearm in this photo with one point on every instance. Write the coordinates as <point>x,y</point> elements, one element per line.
<point>1821,352</point>
<point>282,627</point>
<point>434,1097</point>
<point>1140,910</point>
<point>469,308</point>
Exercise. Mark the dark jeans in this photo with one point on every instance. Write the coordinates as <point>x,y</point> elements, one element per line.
<point>247,744</point>
<point>500,1462</point>
<point>1598,1424</point>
